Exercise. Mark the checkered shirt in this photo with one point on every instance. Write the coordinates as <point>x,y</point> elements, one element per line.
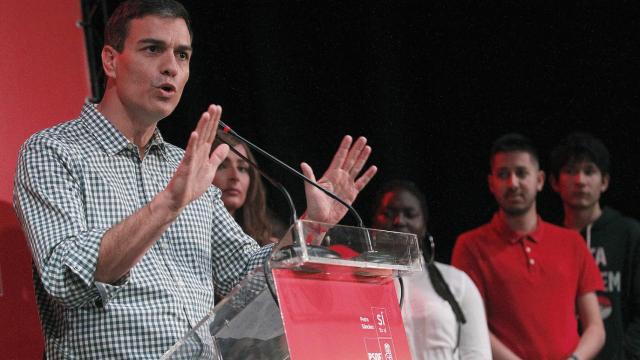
<point>73,183</point>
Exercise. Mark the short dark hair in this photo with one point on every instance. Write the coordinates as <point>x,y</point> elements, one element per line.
<point>513,142</point>
<point>403,185</point>
<point>117,27</point>
<point>578,147</point>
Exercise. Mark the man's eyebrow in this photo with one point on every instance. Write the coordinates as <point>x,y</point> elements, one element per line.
<point>158,42</point>
<point>152,41</point>
<point>185,48</point>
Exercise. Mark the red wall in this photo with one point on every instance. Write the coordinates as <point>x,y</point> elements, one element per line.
<point>44,81</point>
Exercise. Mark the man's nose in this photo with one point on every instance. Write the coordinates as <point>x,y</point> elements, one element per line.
<point>512,180</point>
<point>169,64</point>
<point>580,177</point>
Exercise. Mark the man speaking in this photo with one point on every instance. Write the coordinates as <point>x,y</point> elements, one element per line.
<point>128,237</point>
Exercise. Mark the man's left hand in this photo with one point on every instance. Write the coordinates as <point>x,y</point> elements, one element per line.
<point>341,178</point>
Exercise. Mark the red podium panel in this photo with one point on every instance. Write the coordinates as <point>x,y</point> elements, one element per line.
<point>338,314</point>
<point>327,304</point>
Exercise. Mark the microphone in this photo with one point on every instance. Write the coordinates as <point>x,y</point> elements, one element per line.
<point>226,129</point>
<point>369,255</point>
<point>290,250</point>
<point>314,250</point>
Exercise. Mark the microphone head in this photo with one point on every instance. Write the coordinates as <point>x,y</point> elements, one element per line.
<point>224,127</point>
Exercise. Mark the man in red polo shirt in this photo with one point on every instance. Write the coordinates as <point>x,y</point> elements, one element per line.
<point>533,276</point>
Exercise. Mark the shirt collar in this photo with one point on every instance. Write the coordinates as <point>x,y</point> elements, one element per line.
<point>110,139</point>
<point>503,230</point>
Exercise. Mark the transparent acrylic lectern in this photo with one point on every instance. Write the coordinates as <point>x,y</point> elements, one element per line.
<point>327,290</point>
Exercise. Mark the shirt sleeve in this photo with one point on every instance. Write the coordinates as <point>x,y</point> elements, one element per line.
<point>632,333</point>
<point>590,279</point>
<point>48,201</point>
<point>474,334</point>
<point>235,253</point>
<point>464,260</point>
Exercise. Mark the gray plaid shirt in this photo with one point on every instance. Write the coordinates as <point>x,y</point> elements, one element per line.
<point>74,182</point>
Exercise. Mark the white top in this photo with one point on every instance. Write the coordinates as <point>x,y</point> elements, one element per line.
<point>429,321</point>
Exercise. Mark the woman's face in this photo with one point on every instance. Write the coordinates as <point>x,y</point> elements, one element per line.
<point>233,179</point>
<point>400,211</point>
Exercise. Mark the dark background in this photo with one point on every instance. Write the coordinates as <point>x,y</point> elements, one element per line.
<point>430,84</point>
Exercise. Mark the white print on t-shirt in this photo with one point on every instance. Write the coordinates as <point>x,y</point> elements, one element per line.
<point>612,279</point>
<point>599,255</point>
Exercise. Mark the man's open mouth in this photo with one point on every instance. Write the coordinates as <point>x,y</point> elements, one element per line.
<point>169,88</point>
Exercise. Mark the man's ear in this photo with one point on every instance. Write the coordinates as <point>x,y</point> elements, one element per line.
<point>109,61</point>
<point>540,180</point>
<point>605,182</point>
<point>490,184</point>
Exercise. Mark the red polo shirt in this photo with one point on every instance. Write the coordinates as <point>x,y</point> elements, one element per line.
<point>529,283</point>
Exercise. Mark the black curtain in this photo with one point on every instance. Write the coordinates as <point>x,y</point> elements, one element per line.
<point>430,84</point>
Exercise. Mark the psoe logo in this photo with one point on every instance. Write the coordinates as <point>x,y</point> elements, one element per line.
<point>388,355</point>
<point>375,356</point>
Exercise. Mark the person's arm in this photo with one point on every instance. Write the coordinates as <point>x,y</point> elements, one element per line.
<point>126,243</point>
<point>71,258</point>
<point>342,177</point>
<point>500,351</point>
<point>474,334</point>
<point>47,199</point>
<point>632,332</point>
<point>593,335</point>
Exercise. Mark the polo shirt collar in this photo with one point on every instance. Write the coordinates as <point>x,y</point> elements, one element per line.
<point>503,230</point>
<point>109,138</point>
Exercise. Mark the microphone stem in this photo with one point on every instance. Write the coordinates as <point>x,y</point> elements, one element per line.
<point>276,184</point>
<point>227,129</point>
<point>299,175</point>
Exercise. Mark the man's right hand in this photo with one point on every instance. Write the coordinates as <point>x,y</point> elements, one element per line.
<point>199,165</point>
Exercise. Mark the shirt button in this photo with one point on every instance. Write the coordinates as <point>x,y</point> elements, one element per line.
<point>527,249</point>
<point>532,261</point>
<point>180,283</point>
<point>130,146</point>
<point>164,246</point>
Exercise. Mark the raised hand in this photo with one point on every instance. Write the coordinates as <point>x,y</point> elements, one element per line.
<point>341,178</point>
<point>198,166</point>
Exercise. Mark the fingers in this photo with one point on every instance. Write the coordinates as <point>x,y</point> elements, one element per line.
<point>191,146</point>
<point>201,128</point>
<point>365,178</point>
<point>215,112</point>
<point>206,128</point>
<point>352,158</point>
<point>354,153</point>
<point>341,154</point>
<point>357,157</point>
<point>208,125</point>
<point>359,164</point>
<point>218,155</point>
<point>307,171</point>
<point>202,137</point>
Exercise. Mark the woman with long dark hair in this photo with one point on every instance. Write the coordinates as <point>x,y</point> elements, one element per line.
<point>244,195</point>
